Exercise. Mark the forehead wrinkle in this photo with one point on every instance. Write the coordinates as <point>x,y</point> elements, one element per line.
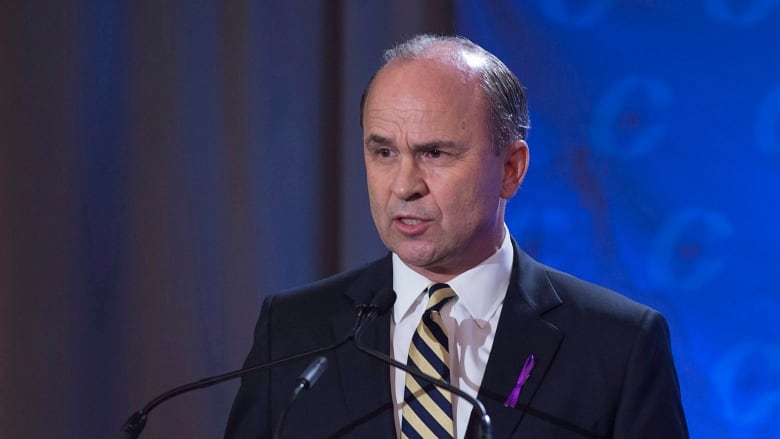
<point>401,118</point>
<point>410,127</point>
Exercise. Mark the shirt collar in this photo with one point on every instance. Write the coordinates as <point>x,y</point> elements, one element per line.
<point>480,289</point>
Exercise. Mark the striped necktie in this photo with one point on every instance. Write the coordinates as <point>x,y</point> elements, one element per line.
<point>427,409</point>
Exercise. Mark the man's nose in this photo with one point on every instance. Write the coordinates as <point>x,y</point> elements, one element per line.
<point>409,183</point>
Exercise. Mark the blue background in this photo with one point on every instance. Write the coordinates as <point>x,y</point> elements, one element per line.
<point>165,166</point>
<point>655,151</point>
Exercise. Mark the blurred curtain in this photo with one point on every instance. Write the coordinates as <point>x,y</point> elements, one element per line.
<point>163,167</point>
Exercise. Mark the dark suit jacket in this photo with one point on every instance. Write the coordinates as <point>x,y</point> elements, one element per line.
<point>603,363</point>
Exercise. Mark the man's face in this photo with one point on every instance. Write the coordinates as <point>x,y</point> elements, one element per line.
<point>436,186</point>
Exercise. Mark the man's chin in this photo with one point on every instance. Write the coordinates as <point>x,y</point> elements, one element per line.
<point>416,257</point>
<point>428,266</point>
<point>421,258</point>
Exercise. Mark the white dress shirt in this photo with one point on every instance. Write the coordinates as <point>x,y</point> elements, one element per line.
<point>471,320</point>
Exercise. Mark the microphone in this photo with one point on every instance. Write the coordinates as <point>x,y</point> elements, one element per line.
<point>306,380</point>
<point>381,302</point>
<point>135,424</point>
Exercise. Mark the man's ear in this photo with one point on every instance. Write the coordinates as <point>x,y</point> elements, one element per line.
<point>515,165</point>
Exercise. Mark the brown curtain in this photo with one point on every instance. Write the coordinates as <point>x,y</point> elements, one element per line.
<point>163,167</point>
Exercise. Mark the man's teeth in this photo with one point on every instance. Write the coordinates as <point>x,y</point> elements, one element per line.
<point>410,221</point>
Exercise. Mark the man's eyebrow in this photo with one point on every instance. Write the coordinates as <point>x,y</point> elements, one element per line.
<point>434,144</point>
<point>377,140</point>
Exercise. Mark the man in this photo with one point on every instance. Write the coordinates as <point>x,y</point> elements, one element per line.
<point>549,355</point>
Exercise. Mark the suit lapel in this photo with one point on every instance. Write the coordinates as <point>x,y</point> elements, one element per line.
<point>365,381</point>
<point>521,332</point>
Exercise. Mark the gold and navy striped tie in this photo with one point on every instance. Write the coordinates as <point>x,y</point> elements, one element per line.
<point>427,409</point>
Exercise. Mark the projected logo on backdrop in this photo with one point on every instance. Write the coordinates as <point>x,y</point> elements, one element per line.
<point>748,382</point>
<point>629,117</point>
<point>688,253</point>
<point>745,13</point>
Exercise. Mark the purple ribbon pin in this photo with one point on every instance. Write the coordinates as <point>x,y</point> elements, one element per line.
<point>514,395</point>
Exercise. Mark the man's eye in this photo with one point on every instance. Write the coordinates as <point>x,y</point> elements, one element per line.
<point>434,153</point>
<point>383,152</point>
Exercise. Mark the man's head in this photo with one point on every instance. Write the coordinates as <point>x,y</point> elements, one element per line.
<point>443,152</point>
<point>506,99</point>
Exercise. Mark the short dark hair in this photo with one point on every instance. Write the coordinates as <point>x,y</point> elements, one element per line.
<point>504,92</point>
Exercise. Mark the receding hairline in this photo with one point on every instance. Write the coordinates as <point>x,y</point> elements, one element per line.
<point>451,52</point>
<point>508,108</point>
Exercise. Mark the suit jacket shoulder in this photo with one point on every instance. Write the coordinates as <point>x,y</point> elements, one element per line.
<point>352,397</point>
<point>603,363</point>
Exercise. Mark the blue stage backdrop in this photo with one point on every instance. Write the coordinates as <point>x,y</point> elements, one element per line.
<point>655,151</point>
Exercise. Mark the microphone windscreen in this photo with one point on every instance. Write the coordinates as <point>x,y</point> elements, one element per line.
<point>384,299</point>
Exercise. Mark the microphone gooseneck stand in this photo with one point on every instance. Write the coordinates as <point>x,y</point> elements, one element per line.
<point>382,301</point>
<point>306,380</point>
<point>135,424</point>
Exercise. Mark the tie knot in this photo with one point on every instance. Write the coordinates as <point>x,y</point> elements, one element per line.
<point>439,295</point>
